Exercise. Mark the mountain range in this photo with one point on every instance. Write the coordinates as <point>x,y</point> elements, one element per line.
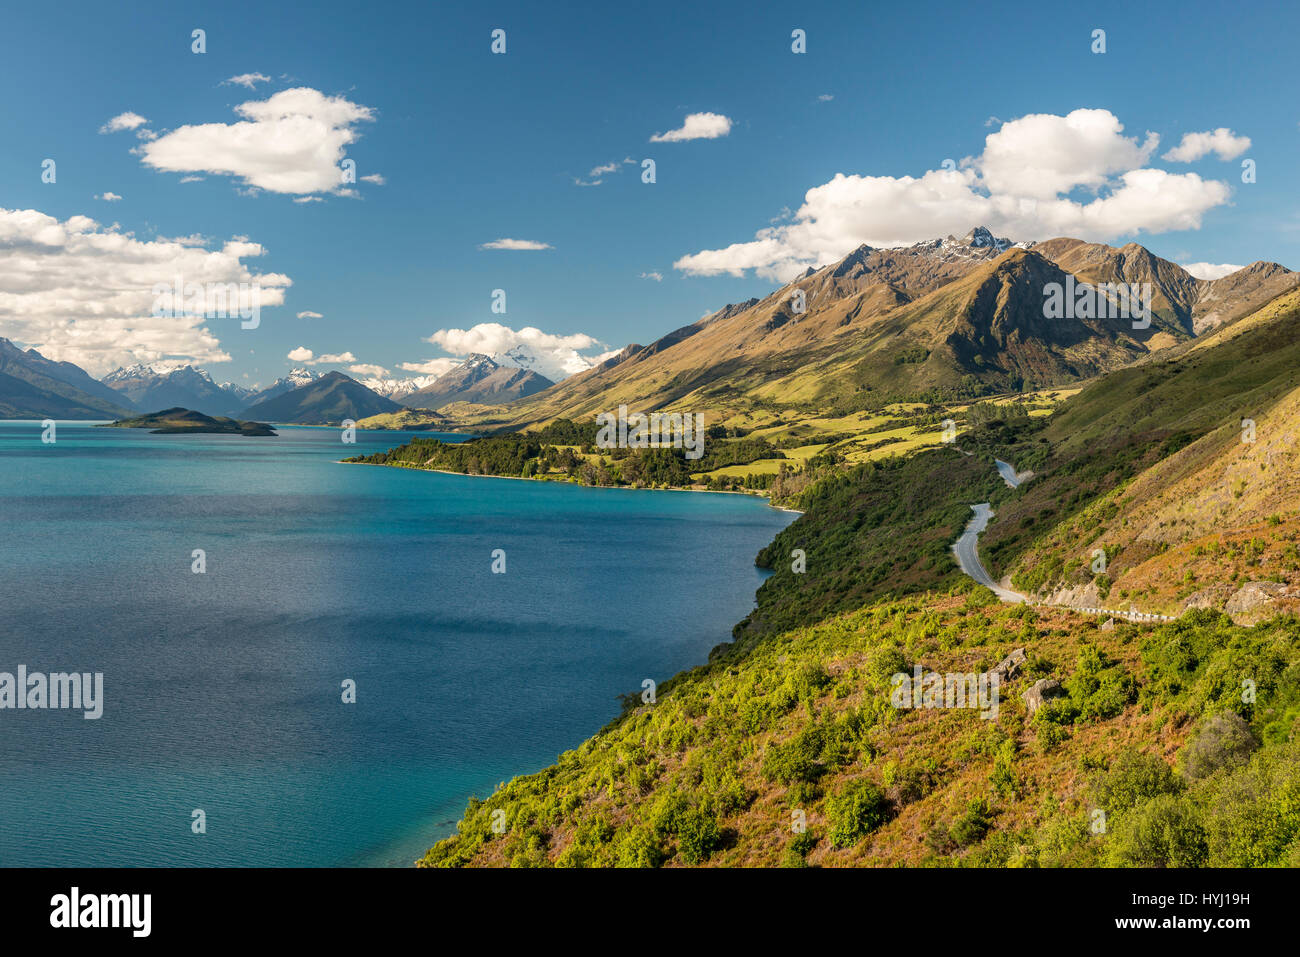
<point>149,388</point>
<point>479,379</point>
<point>940,320</point>
<point>32,386</point>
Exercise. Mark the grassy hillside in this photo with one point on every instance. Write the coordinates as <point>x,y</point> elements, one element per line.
<point>1150,465</point>
<point>1169,745</point>
<point>1152,733</point>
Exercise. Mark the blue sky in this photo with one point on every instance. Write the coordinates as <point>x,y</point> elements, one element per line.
<point>474,147</point>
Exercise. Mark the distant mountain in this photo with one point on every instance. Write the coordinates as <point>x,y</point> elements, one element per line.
<point>394,389</point>
<point>163,387</point>
<point>32,386</point>
<point>945,319</point>
<point>478,379</point>
<point>326,400</point>
<point>295,379</point>
<point>1182,303</point>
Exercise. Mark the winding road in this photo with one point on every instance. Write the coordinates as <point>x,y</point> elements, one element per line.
<point>966,547</point>
<point>966,551</point>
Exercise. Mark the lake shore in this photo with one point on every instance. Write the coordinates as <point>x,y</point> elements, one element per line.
<point>626,488</point>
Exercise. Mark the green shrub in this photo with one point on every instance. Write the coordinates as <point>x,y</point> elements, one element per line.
<point>697,836</point>
<point>974,823</point>
<point>1164,832</point>
<point>855,812</point>
<point>1222,741</point>
<point>1133,778</point>
<point>638,848</point>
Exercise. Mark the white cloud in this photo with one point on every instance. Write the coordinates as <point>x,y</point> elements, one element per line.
<point>1039,176</point>
<point>307,357</point>
<point>83,293</point>
<point>108,197</point>
<point>333,359</point>
<point>826,97</point>
<point>656,276</point>
<point>515,244</point>
<point>434,367</point>
<point>1210,270</point>
<point>697,126</point>
<point>1222,142</point>
<point>364,368</point>
<point>375,178</point>
<point>308,314</point>
<point>598,173</point>
<point>554,356</point>
<point>307,199</point>
<point>123,121</point>
<point>193,179</point>
<point>292,142</point>
<point>249,80</point>
<point>1043,155</point>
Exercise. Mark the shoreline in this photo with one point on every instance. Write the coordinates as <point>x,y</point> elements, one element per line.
<point>520,478</point>
<point>625,488</point>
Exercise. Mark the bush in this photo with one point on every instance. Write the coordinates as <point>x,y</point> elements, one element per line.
<point>639,849</point>
<point>1164,832</point>
<point>697,836</point>
<point>1224,740</point>
<point>1133,778</point>
<point>798,849</point>
<point>855,812</point>
<point>971,827</point>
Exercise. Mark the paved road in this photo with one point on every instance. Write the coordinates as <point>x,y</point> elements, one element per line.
<point>965,548</point>
<point>968,558</point>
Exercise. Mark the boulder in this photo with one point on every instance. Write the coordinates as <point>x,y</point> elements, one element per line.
<point>1043,690</point>
<point>1010,666</point>
<point>1108,624</point>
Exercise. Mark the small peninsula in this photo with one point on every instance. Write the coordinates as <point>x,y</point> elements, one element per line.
<point>179,420</point>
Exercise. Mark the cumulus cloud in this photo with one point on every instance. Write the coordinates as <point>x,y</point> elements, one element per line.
<point>300,354</point>
<point>292,142</point>
<point>1222,142</point>
<point>1039,176</point>
<point>123,121</point>
<point>366,368</point>
<point>698,126</point>
<point>375,178</point>
<point>83,293</point>
<point>553,356</point>
<point>656,276</point>
<point>1210,270</point>
<point>333,359</point>
<point>308,314</point>
<point>515,244</point>
<point>434,367</point>
<point>249,80</point>
<point>108,197</point>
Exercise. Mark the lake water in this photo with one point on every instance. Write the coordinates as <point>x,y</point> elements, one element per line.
<point>223,689</point>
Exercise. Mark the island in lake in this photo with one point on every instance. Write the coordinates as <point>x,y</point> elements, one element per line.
<point>187,420</point>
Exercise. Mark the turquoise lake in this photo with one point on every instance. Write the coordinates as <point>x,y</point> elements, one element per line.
<point>222,690</point>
